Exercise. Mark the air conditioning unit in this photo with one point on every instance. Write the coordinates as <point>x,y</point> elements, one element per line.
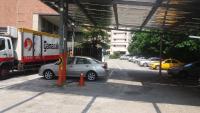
<point>8,31</point>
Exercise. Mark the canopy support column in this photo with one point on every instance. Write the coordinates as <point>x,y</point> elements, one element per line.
<point>63,32</point>
<point>161,38</point>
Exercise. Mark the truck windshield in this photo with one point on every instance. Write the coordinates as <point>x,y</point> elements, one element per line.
<point>2,44</point>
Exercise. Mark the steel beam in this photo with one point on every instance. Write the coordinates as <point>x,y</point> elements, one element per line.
<point>63,10</point>
<point>81,7</point>
<point>151,13</point>
<point>116,15</point>
<point>130,2</point>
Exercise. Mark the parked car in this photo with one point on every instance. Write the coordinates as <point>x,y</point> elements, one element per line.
<point>188,70</point>
<point>166,64</point>
<point>148,61</point>
<point>134,58</point>
<point>125,57</point>
<point>131,58</point>
<point>91,68</point>
<point>137,60</point>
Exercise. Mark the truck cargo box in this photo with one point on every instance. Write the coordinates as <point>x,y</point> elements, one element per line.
<point>33,46</point>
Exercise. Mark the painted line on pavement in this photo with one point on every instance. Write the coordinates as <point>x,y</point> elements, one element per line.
<point>118,66</point>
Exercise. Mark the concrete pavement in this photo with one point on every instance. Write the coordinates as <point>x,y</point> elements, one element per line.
<point>128,89</point>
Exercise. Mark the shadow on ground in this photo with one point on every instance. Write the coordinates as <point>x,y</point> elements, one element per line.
<point>18,74</point>
<point>154,89</point>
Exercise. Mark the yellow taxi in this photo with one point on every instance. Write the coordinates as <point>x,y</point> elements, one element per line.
<point>166,64</point>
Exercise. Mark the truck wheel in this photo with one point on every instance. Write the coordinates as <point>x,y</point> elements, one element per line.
<point>4,72</point>
<point>91,76</point>
<point>48,75</point>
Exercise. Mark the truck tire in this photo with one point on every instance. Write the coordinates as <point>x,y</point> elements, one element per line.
<point>4,72</point>
<point>48,74</point>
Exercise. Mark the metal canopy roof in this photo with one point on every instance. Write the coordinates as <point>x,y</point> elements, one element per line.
<point>136,15</point>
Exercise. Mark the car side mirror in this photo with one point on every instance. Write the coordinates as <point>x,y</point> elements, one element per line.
<point>57,63</point>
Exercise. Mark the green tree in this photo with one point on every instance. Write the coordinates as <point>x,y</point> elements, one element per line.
<point>174,46</point>
<point>94,37</point>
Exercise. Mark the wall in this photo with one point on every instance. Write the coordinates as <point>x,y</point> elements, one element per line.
<point>119,41</point>
<point>19,13</point>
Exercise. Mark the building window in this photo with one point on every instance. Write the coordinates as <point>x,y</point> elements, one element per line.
<point>2,44</point>
<point>122,40</point>
<point>119,46</point>
<point>48,27</point>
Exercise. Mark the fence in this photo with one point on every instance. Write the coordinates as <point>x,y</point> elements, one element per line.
<point>90,52</point>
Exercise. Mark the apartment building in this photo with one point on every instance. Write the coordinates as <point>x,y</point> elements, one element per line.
<point>31,14</point>
<point>119,41</point>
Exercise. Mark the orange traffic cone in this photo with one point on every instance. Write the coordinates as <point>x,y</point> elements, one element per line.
<point>81,81</point>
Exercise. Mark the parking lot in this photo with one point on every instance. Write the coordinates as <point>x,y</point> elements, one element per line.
<point>128,89</point>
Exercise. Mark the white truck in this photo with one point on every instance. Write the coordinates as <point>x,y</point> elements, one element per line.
<point>22,49</point>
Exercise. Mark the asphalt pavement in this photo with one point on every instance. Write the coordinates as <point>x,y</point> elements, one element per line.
<point>128,89</point>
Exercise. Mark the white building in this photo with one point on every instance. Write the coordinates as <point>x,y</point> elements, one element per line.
<point>119,41</point>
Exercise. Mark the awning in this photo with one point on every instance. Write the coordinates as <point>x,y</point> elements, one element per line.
<point>135,15</point>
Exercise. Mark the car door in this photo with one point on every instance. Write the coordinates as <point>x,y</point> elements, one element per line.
<point>175,63</point>
<point>70,66</point>
<point>166,64</point>
<point>82,65</point>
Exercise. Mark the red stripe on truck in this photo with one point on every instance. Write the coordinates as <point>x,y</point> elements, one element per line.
<point>28,59</point>
<point>6,59</point>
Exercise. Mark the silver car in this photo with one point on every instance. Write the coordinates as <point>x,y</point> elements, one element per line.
<point>91,68</point>
<point>147,62</point>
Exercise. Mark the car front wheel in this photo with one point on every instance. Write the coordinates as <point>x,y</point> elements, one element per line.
<point>145,64</point>
<point>91,76</point>
<point>48,74</point>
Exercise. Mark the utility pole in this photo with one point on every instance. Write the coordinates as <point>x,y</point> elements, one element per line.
<point>163,35</point>
<point>161,44</point>
<point>63,32</point>
<point>73,36</point>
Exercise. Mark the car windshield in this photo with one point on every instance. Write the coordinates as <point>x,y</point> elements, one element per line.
<point>155,59</point>
<point>70,60</point>
<point>2,44</point>
<point>97,61</point>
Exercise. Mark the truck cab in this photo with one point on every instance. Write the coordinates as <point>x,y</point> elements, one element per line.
<point>6,53</point>
<point>6,48</point>
<point>22,49</point>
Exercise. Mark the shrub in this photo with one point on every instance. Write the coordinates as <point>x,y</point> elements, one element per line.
<point>115,55</point>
